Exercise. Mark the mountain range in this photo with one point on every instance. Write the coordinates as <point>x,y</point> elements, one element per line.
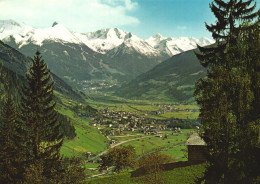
<point>95,59</point>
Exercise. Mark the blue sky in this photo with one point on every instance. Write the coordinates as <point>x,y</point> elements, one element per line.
<point>170,18</point>
<point>173,17</point>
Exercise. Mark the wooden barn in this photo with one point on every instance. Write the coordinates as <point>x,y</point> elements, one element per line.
<point>196,149</point>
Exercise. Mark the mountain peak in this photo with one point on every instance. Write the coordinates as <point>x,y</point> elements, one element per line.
<point>9,27</point>
<point>129,35</point>
<point>103,40</point>
<point>115,33</point>
<point>155,39</point>
<point>9,22</point>
<point>54,24</point>
<point>158,35</point>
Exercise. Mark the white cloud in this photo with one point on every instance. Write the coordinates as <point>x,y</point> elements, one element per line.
<point>77,15</point>
<point>181,27</point>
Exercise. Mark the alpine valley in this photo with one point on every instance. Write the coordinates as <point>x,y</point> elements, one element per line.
<point>110,107</point>
<point>107,58</point>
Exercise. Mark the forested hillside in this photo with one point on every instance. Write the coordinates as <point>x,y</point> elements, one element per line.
<point>173,79</point>
<point>18,63</point>
<point>13,66</point>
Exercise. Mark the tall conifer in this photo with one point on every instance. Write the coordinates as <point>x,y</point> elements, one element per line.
<point>245,162</point>
<point>229,16</point>
<point>39,118</point>
<point>10,155</point>
<point>227,95</point>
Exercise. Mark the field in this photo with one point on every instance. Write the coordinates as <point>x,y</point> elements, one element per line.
<point>141,107</point>
<point>184,175</point>
<point>180,115</point>
<point>173,145</point>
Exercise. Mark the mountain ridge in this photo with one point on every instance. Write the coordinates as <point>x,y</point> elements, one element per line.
<point>94,60</point>
<point>174,45</point>
<point>172,80</point>
<point>18,63</point>
<point>100,41</point>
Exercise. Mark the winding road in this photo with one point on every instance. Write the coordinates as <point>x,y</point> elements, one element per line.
<point>115,145</point>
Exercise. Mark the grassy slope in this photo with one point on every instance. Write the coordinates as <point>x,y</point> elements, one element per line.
<point>149,144</point>
<point>184,175</point>
<point>88,138</point>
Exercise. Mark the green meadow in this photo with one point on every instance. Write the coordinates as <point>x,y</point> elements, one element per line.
<point>183,175</point>
<point>168,145</point>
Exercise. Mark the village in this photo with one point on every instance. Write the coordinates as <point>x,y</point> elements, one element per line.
<point>111,122</point>
<point>144,127</point>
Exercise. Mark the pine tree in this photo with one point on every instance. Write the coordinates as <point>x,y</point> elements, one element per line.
<point>217,122</point>
<point>227,95</point>
<point>10,156</point>
<point>39,119</point>
<point>229,16</point>
<point>246,104</point>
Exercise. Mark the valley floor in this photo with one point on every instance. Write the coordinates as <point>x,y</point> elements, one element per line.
<point>91,139</point>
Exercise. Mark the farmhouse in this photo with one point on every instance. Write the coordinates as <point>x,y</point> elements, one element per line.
<point>158,135</point>
<point>112,141</point>
<point>196,149</point>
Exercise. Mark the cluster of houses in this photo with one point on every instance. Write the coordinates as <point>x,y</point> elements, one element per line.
<point>113,119</point>
<point>121,121</point>
<point>95,85</point>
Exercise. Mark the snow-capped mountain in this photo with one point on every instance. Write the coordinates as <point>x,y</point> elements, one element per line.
<point>10,27</point>
<point>100,41</point>
<point>108,54</point>
<point>134,44</point>
<point>103,55</point>
<point>172,46</point>
<point>140,45</point>
<point>105,40</point>
<point>23,34</point>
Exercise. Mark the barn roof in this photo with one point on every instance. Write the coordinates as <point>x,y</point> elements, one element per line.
<point>195,139</point>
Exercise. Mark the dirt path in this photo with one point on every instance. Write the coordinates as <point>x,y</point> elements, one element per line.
<point>126,135</point>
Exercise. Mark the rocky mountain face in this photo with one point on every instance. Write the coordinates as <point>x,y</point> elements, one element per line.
<point>97,59</point>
